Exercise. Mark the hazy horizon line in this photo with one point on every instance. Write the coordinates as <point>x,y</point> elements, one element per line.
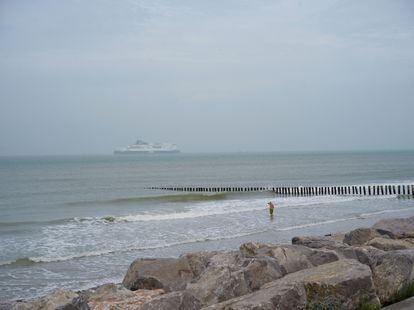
<point>216,153</point>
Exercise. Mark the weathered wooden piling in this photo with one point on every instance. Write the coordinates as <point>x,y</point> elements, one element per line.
<point>362,190</point>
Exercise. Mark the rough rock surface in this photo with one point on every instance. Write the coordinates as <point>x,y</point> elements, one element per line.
<point>219,283</point>
<point>344,284</point>
<point>274,295</point>
<point>361,236</point>
<point>198,261</point>
<point>170,274</point>
<point>393,271</point>
<point>387,244</point>
<point>367,255</point>
<point>261,270</point>
<point>317,242</point>
<point>396,228</point>
<point>173,301</point>
<point>58,299</point>
<point>290,258</point>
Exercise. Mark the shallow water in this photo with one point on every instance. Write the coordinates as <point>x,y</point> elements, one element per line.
<point>77,221</point>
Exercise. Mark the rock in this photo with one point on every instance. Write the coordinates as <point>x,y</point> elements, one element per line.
<point>393,271</point>
<point>261,270</point>
<point>407,304</point>
<point>316,242</point>
<point>344,284</point>
<point>170,274</point>
<point>105,290</point>
<point>76,304</point>
<point>254,249</point>
<point>225,258</point>
<point>173,301</point>
<point>283,296</point>
<point>218,283</point>
<point>198,261</point>
<point>5,305</point>
<point>367,255</point>
<point>114,296</point>
<point>396,228</point>
<point>57,300</point>
<point>360,236</point>
<point>290,258</point>
<point>387,244</point>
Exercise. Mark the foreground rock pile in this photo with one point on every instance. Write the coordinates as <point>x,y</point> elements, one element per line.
<point>363,269</point>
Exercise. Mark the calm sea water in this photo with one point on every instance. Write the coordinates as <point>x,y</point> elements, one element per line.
<point>79,221</point>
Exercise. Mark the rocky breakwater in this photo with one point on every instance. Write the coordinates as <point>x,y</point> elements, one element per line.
<point>363,269</point>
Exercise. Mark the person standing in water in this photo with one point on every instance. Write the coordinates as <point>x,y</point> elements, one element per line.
<point>271,207</point>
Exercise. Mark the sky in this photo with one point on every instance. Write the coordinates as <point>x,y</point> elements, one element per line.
<point>86,77</point>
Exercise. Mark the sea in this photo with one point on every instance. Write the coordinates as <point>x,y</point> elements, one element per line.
<point>76,222</point>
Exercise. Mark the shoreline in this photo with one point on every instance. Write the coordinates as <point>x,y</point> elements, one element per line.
<point>257,264</point>
<point>282,237</point>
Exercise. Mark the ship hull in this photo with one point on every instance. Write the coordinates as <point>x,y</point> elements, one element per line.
<point>145,152</point>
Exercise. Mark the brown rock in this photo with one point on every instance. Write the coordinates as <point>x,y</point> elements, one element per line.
<point>122,300</point>
<point>58,299</point>
<point>396,228</point>
<point>170,274</point>
<point>344,284</point>
<point>198,261</point>
<point>393,271</point>
<point>290,258</point>
<point>360,236</point>
<point>218,283</point>
<point>387,244</point>
<point>273,296</point>
<point>367,255</point>
<point>173,301</point>
<point>316,242</point>
<point>261,270</point>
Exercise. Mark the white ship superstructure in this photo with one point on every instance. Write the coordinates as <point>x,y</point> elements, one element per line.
<point>142,147</point>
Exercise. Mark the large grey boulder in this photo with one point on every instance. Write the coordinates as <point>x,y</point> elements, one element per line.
<point>344,284</point>
<point>261,270</point>
<point>56,300</point>
<point>228,274</point>
<point>173,301</point>
<point>396,228</point>
<point>6,305</point>
<point>392,273</point>
<point>387,244</point>
<point>170,274</point>
<point>272,296</point>
<point>367,255</point>
<point>218,283</point>
<point>360,236</point>
<point>198,261</point>
<point>290,258</point>
<point>318,242</point>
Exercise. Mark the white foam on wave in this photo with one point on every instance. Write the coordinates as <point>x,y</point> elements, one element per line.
<point>239,206</point>
<point>46,259</point>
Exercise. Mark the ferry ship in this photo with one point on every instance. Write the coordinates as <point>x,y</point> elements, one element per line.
<point>142,147</point>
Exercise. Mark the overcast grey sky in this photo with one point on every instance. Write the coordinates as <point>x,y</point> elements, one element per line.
<point>88,76</point>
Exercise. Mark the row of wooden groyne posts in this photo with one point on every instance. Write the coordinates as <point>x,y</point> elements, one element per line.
<point>364,190</point>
